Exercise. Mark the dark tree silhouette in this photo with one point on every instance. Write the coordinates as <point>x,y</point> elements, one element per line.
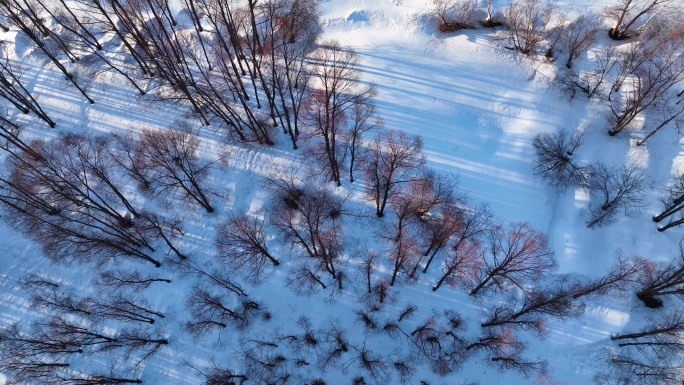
<point>516,255</point>
<point>393,159</point>
<point>616,191</point>
<point>170,162</point>
<point>554,161</point>
<point>528,312</point>
<point>242,245</point>
<point>629,17</point>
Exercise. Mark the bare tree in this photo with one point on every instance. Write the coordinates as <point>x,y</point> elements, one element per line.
<point>402,251</point>
<point>125,309</point>
<point>371,363</point>
<point>622,275</point>
<point>457,225</point>
<point>633,368</point>
<point>528,22</point>
<point>118,278</point>
<point>335,70</point>
<point>24,359</point>
<point>632,16</point>
<point>516,255</point>
<point>579,36</point>
<point>13,90</point>
<point>554,161</point>
<point>210,309</point>
<point>312,225</point>
<point>528,313</point>
<point>651,355</point>
<point>25,17</point>
<point>673,203</point>
<point>362,120</point>
<point>170,162</point>
<point>241,243</point>
<point>392,160</point>
<point>455,15</point>
<point>616,191</point>
<point>304,280</point>
<point>660,280</point>
<point>647,76</point>
<point>667,333</point>
<point>590,82</point>
<point>460,263</point>
<point>436,339</point>
<point>69,199</point>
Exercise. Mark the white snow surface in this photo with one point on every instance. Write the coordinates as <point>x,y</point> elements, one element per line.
<point>477,107</point>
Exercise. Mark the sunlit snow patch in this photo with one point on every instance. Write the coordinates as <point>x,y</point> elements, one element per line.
<point>609,316</point>
<point>637,155</point>
<point>581,197</point>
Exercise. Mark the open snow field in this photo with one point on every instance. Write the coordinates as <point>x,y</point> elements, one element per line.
<point>476,106</point>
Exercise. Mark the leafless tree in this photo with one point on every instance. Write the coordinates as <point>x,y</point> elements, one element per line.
<point>528,22</point>
<point>312,225</point>
<point>362,119</point>
<point>124,309</point>
<point>140,343</point>
<point>651,355</point>
<point>439,343</point>
<point>393,159</point>
<point>636,369</point>
<point>71,378</point>
<point>334,68</point>
<point>81,334</point>
<point>455,15</point>
<point>513,361</point>
<point>220,376</point>
<point>117,279</point>
<point>632,16</point>
<point>666,334</point>
<point>616,191</point>
<point>673,203</point>
<point>369,362</point>
<point>53,300</point>
<point>648,74</point>
<point>268,360</point>
<point>621,276</point>
<point>580,34</point>
<point>590,82</point>
<point>13,90</point>
<point>287,34</point>
<point>529,312</point>
<point>458,266</point>
<point>493,18</point>
<point>304,279</point>
<point>69,199</point>
<point>456,224</point>
<point>25,17</point>
<point>660,280</point>
<point>219,278</point>
<point>517,255</point>
<point>505,351</point>
<point>241,243</point>
<point>402,251</point>
<point>554,161</point>
<point>170,162</point>
<point>210,309</point>
<point>24,359</point>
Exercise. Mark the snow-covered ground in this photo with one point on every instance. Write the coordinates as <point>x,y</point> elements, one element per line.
<point>477,107</point>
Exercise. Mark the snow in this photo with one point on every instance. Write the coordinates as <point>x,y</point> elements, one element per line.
<point>477,107</point>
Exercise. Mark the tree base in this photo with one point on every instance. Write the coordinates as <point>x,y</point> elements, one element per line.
<point>650,301</point>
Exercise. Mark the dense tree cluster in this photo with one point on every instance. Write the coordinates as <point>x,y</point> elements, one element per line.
<point>251,68</point>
